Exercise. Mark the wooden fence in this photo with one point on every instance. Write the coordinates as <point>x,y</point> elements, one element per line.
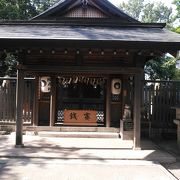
<point>8,100</point>
<point>158,99</point>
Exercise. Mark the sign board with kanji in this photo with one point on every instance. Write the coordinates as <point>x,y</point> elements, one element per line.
<point>80,117</point>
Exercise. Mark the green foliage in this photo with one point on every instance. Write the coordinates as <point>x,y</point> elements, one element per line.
<point>42,5</point>
<point>147,12</point>
<point>177,3</point>
<point>156,12</point>
<point>11,62</point>
<point>163,68</point>
<point>177,30</point>
<point>133,8</point>
<point>8,10</point>
<point>8,62</point>
<point>23,9</point>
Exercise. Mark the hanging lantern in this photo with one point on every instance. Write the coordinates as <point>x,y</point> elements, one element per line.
<point>116,86</point>
<point>45,84</point>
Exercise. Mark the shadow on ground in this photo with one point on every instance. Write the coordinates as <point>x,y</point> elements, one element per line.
<point>44,149</point>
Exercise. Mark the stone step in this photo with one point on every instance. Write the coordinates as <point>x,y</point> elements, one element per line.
<point>78,134</point>
<point>72,129</point>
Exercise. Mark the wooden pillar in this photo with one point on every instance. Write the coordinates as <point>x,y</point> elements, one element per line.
<point>108,104</point>
<point>35,102</point>
<point>53,101</point>
<point>137,112</point>
<point>19,108</point>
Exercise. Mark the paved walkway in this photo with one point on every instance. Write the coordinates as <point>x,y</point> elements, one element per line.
<point>171,147</point>
<point>86,159</point>
<point>28,169</point>
<point>82,148</point>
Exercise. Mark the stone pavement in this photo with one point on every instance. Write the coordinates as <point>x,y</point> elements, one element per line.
<point>82,158</point>
<point>30,169</point>
<point>171,147</point>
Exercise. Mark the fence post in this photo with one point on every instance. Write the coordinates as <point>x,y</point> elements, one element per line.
<point>19,108</point>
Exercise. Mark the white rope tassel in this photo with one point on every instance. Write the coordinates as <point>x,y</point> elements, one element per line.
<point>76,80</point>
<point>63,81</point>
<point>81,79</point>
<point>70,79</point>
<point>87,80</point>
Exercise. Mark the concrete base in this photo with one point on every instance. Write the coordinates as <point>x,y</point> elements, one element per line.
<point>137,148</point>
<point>73,132</point>
<point>71,129</point>
<point>19,146</point>
<point>127,135</point>
<point>78,134</point>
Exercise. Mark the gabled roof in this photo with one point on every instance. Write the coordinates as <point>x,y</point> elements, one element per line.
<point>62,7</point>
<point>117,30</point>
<point>133,36</point>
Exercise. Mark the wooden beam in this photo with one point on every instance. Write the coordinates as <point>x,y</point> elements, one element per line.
<point>137,112</point>
<point>99,22</point>
<point>19,108</point>
<point>13,43</point>
<point>108,105</point>
<point>53,101</point>
<point>80,69</point>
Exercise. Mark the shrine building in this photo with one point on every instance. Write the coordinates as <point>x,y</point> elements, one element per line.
<point>87,57</point>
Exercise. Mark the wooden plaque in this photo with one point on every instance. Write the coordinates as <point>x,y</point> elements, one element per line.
<point>80,117</point>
